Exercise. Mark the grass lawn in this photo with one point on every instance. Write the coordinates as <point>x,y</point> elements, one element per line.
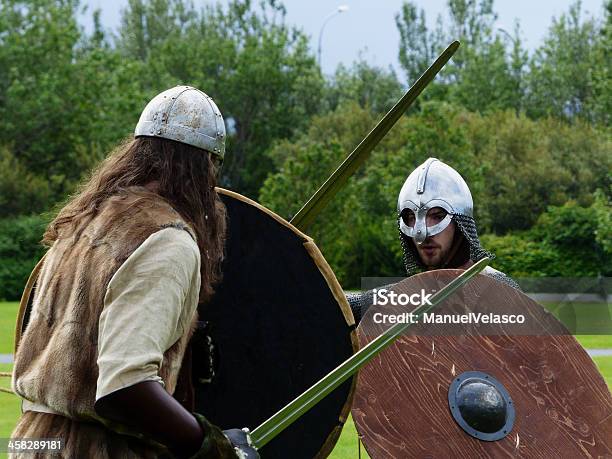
<point>595,341</point>
<point>10,407</point>
<point>8,316</point>
<point>584,318</point>
<point>347,444</point>
<point>347,447</point>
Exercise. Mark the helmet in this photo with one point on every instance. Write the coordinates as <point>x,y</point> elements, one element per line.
<point>187,115</point>
<point>435,184</point>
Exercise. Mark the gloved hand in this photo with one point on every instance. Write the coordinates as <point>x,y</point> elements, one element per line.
<point>242,443</point>
<point>228,444</point>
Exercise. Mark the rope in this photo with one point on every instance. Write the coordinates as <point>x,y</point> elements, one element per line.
<point>5,373</point>
<point>8,391</point>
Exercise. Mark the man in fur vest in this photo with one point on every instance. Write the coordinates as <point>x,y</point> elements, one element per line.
<point>115,304</point>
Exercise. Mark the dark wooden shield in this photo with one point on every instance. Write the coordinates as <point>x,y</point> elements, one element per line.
<point>279,321</point>
<point>562,406</point>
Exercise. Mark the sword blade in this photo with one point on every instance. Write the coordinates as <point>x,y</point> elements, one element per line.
<point>338,179</point>
<point>295,409</point>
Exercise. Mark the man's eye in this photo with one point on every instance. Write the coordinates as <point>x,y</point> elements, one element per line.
<point>438,217</point>
<point>408,218</point>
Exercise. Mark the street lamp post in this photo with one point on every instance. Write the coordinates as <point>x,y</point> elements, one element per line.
<point>339,10</point>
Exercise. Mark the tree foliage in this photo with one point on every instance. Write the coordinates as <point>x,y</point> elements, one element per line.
<point>258,69</point>
<point>516,168</point>
<point>373,87</point>
<point>568,241</point>
<point>530,133</point>
<point>567,76</point>
<point>560,78</point>
<point>66,98</point>
<point>19,252</point>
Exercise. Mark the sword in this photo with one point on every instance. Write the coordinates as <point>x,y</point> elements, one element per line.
<point>338,179</point>
<point>299,406</point>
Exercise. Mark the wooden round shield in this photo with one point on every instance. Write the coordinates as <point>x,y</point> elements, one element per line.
<point>279,321</point>
<point>556,403</point>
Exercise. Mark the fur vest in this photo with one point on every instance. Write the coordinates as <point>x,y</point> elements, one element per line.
<point>55,364</point>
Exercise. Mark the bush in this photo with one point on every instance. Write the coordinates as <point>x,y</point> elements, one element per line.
<point>21,191</point>
<point>567,241</point>
<point>20,250</point>
<point>516,169</point>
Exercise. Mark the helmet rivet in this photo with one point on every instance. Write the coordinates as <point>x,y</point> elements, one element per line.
<point>159,131</point>
<point>418,231</point>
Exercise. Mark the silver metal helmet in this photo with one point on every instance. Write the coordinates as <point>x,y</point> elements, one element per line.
<point>432,184</point>
<point>435,184</point>
<point>187,115</point>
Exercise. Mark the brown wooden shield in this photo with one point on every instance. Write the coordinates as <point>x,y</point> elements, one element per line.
<point>562,406</point>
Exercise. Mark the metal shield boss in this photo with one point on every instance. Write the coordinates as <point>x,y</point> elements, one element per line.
<point>278,322</point>
<point>479,388</point>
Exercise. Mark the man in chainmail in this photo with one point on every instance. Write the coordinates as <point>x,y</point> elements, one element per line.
<point>436,225</point>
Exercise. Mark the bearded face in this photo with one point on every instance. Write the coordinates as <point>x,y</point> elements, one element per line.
<point>434,250</point>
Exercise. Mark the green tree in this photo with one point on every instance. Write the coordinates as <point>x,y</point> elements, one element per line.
<point>369,86</point>
<point>257,68</point>
<point>600,104</point>
<point>560,77</point>
<point>483,75</point>
<point>21,192</point>
<point>567,241</point>
<point>65,98</point>
<point>516,168</point>
<point>20,250</point>
<point>418,46</point>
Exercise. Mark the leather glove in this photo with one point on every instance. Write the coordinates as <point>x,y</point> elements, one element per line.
<point>226,444</point>
<point>215,444</point>
<point>241,440</point>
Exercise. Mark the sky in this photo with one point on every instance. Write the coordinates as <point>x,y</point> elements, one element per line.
<point>368,27</point>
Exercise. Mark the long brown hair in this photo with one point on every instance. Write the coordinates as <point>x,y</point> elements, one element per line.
<point>184,176</point>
